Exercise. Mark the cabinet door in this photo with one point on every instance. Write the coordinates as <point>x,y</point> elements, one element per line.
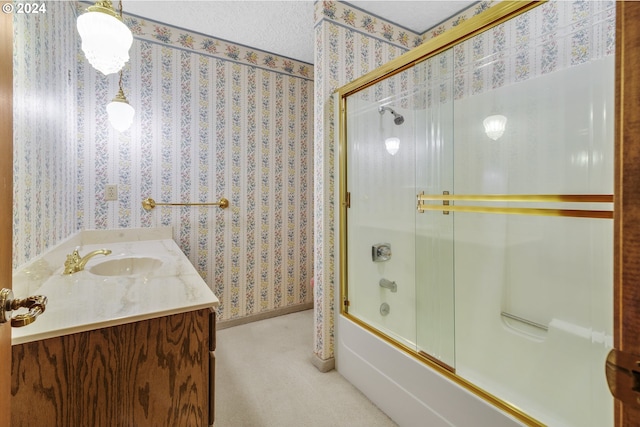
<point>213,316</point>
<point>148,373</point>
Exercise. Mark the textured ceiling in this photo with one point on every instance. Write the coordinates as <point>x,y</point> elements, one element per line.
<point>281,27</point>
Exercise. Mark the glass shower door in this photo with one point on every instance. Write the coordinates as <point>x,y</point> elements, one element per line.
<point>534,268</point>
<point>400,263</point>
<point>435,328</point>
<point>381,219</point>
<point>525,244</point>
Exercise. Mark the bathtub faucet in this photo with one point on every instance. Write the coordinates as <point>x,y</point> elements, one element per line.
<point>384,283</point>
<point>75,262</point>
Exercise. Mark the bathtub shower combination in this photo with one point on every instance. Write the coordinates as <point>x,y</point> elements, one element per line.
<point>478,226</point>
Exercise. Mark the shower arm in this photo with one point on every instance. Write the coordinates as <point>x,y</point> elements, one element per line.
<point>398,119</point>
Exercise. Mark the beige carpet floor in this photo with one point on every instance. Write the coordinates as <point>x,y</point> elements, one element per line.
<point>264,378</point>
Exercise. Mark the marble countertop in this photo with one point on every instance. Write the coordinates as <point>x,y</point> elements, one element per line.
<point>86,301</point>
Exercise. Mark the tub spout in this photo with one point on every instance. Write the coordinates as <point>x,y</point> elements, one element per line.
<point>75,262</point>
<point>392,286</point>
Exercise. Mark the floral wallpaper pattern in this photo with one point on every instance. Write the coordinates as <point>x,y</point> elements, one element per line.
<point>359,20</point>
<point>206,126</point>
<point>558,35</point>
<point>145,29</point>
<point>343,53</point>
<point>215,128</point>
<point>45,134</point>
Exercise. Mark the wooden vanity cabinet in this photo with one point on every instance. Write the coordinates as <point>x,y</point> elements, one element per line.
<point>156,372</point>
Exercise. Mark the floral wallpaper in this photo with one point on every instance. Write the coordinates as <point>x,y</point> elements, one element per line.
<point>144,29</point>
<point>351,16</point>
<point>206,126</point>
<point>458,19</point>
<point>558,35</point>
<point>210,126</point>
<point>45,134</point>
<point>351,42</point>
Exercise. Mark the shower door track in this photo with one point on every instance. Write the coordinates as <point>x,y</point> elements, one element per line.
<point>446,206</point>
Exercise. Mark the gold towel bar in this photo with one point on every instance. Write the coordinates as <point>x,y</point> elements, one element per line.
<point>149,204</point>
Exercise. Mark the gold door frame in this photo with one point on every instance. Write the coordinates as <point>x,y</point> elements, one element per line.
<point>488,19</point>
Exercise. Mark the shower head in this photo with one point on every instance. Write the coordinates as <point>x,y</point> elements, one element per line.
<point>397,118</point>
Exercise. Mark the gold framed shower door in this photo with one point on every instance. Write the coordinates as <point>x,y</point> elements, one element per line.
<point>494,16</point>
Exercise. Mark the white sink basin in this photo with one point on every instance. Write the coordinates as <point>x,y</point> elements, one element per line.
<point>132,266</point>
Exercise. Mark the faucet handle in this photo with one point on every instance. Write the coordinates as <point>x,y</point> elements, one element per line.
<point>73,256</point>
<point>381,252</point>
<point>72,261</point>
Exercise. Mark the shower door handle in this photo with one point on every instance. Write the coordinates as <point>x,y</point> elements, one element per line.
<point>623,377</point>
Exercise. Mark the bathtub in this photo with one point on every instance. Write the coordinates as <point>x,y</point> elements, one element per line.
<point>411,393</point>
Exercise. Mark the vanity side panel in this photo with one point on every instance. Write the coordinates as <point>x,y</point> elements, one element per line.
<point>213,316</point>
<point>149,373</point>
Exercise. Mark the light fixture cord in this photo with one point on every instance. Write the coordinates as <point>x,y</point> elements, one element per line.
<point>120,80</point>
<point>120,10</point>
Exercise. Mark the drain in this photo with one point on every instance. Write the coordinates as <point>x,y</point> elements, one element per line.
<point>384,309</point>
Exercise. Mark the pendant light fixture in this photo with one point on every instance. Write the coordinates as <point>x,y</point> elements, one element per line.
<point>120,111</point>
<point>105,38</point>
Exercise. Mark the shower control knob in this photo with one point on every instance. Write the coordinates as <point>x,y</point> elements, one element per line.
<point>384,309</point>
<point>381,252</point>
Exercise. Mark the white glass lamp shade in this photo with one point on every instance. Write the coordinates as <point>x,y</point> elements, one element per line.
<point>494,126</point>
<point>120,113</point>
<point>392,145</point>
<point>105,38</point>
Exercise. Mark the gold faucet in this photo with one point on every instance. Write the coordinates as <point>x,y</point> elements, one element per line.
<point>75,262</point>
